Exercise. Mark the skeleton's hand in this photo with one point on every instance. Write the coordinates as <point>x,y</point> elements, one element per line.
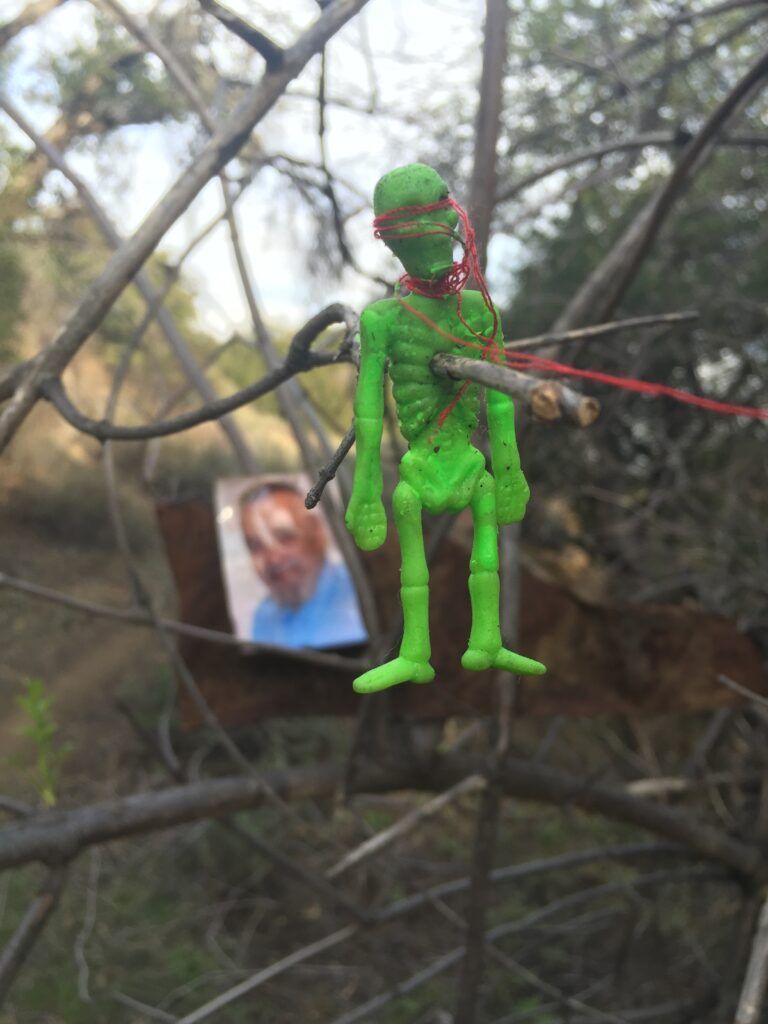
<point>512,494</point>
<point>367,522</point>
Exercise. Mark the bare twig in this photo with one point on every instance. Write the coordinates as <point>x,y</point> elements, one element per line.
<point>141,617</point>
<point>488,118</point>
<point>299,359</point>
<point>743,691</point>
<point>89,920</point>
<point>273,54</point>
<point>750,1008</point>
<point>329,470</point>
<point>54,836</point>
<point>148,1011</point>
<point>404,826</point>
<point>30,928</point>
<point>600,330</point>
<point>578,156</point>
<point>232,994</point>
<point>546,399</point>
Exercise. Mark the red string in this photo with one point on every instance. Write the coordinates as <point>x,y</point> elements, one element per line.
<point>528,361</point>
<point>389,225</point>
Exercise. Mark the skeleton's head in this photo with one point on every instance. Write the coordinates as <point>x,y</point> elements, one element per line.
<point>428,256</point>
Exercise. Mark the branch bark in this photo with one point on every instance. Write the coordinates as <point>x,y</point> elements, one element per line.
<point>30,929</point>
<point>141,617</point>
<point>483,184</point>
<point>752,997</point>
<point>547,399</point>
<point>254,37</point>
<point>578,156</point>
<point>55,836</point>
<point>298,360</point>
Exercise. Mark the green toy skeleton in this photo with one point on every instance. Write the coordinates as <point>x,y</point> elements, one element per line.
<point>442,471</point>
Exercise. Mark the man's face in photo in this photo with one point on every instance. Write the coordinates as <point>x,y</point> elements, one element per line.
<point>287,545</point>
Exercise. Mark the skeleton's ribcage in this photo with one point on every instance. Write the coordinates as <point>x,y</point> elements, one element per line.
<point>421,396</point>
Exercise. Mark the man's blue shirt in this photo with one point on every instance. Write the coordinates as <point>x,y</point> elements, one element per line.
<point>330,618</point>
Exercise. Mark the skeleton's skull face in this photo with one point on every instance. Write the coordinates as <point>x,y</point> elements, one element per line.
<point>428,256</point>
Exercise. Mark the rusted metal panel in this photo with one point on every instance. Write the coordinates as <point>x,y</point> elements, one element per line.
<point>633,658</point>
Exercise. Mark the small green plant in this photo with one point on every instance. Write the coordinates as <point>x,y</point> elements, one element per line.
<point>41,728</point>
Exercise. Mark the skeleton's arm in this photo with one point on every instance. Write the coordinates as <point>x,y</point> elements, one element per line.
<point>365,517</point>
<point>512,491</point>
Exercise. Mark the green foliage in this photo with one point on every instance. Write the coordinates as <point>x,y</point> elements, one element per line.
<point>112,82</point>
<point>41,728</point>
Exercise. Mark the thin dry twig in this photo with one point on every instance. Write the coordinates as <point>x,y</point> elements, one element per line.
<point>259,41</point>
<point>330,469</point>
<point>546,399</point>
<point>743,691</point>
<point>600,330</point>
<point>141,617</point>
<point>299,359</point>
<point>752,998</point>
<point>30,928</point>
<point>385,838</point>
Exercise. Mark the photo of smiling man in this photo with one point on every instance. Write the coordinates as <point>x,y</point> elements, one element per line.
<point>297,591</point>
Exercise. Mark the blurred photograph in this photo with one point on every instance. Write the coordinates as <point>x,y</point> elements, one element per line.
<point>285,579</point>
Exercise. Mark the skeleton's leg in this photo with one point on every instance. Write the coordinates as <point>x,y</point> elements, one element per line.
<point>484,649</point>
<point>413,663</point>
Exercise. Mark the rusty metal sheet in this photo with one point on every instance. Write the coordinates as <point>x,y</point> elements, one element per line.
<point>632,658</point>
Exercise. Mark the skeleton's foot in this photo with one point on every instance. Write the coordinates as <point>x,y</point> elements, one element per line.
<point>476,659</point>
<point>399,670</point>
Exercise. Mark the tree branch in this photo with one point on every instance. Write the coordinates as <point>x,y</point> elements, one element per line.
<point>56,836</point>
<point>600,330</point>
<point>605,286</point>
<point>141,617</point>
<point>579,156</point>
<point>30,928</point>
<point>298,360</point>
<point>546,399</point>
<point>273,54</point>
<point>329,470</point>
<point>750,1009</point>
<point>124,264</point>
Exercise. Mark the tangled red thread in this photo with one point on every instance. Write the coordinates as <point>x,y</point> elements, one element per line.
<point>408,222</point>
<point>390,225</point>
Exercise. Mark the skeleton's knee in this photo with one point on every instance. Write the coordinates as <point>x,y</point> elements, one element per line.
<point>405,502</point>
<point>485,559</point>
<point>486,485</point>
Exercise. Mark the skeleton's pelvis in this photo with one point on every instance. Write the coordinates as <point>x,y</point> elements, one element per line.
<point>446,480</point>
